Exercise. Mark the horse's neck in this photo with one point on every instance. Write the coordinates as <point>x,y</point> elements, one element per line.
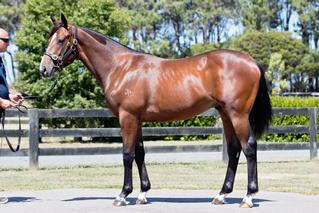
<point>100,59</point>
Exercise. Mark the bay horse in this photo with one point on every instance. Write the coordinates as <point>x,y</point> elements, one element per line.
<point>142,87</point>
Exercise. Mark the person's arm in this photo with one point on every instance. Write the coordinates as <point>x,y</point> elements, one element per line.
<point>5,104</point>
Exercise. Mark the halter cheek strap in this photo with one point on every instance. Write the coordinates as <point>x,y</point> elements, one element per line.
<point>67,50</point>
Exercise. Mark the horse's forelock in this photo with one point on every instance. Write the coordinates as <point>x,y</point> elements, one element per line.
<point>55,28</point>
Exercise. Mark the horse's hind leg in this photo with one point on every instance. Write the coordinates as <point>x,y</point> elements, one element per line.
<point>249,145</point>
<point>233,150</point>
<point>250,151</point>
<point>139,159</point>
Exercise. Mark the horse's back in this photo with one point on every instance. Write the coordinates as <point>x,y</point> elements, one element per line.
<point>162,89</point>
<point>182,88</point>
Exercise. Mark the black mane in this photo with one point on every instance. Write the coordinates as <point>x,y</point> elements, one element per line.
<point>102,38</point>
<point>98,36</point>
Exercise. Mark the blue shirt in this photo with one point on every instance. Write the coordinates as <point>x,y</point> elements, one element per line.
<point>4,89</point>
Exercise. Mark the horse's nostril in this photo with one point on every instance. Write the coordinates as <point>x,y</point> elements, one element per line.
<point>42,71</point>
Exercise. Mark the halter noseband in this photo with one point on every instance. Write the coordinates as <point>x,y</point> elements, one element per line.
<point>58,60</point>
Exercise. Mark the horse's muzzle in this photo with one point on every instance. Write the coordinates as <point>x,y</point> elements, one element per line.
<point>45,73</point>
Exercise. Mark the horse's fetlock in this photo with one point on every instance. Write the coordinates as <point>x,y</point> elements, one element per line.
<point>127,189</point>
<point>145,186</point>
<point>252,187</point>
<point>227,188</point>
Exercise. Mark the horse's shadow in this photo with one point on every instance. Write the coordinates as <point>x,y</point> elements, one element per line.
<point>21,199</point>
<point>132,201</point>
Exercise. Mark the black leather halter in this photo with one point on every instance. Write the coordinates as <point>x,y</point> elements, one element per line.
<point>68,49</point>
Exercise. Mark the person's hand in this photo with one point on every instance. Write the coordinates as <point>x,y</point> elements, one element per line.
<point>5,104</point>
<point>16,98</point>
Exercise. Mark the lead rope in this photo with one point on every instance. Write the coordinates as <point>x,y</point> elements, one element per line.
<point>20,130</point>
<point>55,82</point>
<point>53,85</point>
<point>1,147</point>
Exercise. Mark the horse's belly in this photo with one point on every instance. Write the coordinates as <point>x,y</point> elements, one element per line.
<point>177,112</point>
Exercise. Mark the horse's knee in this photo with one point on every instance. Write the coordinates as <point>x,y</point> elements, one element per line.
<point>128,157</point>
<point>250,149</point>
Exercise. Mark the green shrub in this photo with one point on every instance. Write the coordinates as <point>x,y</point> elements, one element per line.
<point>196,121</point>
<point>286,120</point>
<point>279,101</point>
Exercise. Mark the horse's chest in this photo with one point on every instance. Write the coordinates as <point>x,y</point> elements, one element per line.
<point>127,98</point>
<point>117,96</point>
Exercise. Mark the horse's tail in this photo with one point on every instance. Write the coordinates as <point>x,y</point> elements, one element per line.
<point>261,113</point>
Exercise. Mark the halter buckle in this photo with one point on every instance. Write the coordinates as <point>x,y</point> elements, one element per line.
<point>55,57</point>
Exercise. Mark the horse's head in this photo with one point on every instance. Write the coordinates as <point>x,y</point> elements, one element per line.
<point>62,47</point>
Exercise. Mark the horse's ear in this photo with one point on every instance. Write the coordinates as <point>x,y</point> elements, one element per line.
<point>53,19</point>
<point>64,21</point>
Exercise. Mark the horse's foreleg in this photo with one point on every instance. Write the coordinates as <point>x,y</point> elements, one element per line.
<point>233,150</point>
<point>129,126</point>
<point>139,159</point>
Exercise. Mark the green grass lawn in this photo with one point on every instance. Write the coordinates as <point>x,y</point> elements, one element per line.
<point>299,177</point>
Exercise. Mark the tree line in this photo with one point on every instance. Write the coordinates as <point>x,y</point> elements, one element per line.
<point>258,27</point>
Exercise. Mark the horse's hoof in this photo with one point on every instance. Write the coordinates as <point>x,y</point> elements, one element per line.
<point>141,201</point>
<point>120,202</point>
<point>247,202</point>
<point>141,198</point>
<point>217,201</point>
<point>246,205</point>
